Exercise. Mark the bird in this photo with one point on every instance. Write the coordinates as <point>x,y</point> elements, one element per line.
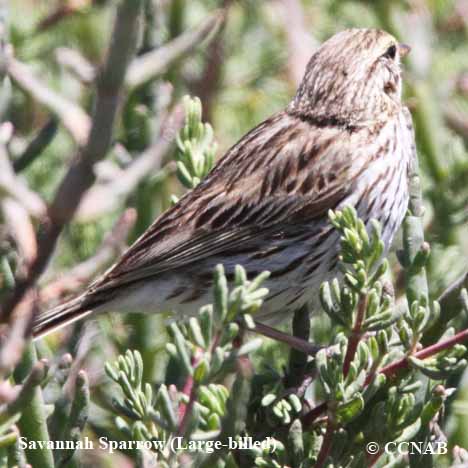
<point>345,138</point>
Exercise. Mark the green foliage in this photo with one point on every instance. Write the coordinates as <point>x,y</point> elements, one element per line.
<point>197,150</point>
<point>207,348</point>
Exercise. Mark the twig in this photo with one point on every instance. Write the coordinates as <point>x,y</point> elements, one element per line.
<point>21,229</point>
<point>190,390</point>
<point>61,12</point>
<point>451,296</point>
<point>113,243</point>
<point>14,187</point>
<point>207,85</point>
<point>74,118</point>
<point>297,343</point>
<point>457,121</point>
<point>356,335</point>
<point>298,359</point>
<point>37,145</point>
<point>424,353</point>
<point>106,197</point>
<point>393,368</point>
<point>80,175</point>
<point>12,337</point>
<point>154,63</point>
<point>313,414</point>
<point>301,43</point>
<point>326,445</point>
<point>73,61</point>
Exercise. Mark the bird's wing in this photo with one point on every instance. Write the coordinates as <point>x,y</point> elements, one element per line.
<point>284,172</point>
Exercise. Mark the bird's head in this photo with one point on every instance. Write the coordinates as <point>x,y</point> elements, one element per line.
<point>353,77</point>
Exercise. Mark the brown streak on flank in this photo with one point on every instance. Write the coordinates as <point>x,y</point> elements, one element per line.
<point>276,294</point>
<point>197,293</point>
<point>385,188</point>
<point>323,236</point>
<point>177,292</point>
<point>333,264</point>
<point>313,266</point>
<point>383,149</point>
<point>288,268</point>
<point>293,300</point>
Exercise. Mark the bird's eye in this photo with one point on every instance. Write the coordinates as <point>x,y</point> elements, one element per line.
<point>391,52</point>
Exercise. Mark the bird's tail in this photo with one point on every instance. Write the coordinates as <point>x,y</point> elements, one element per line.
<point>60,316</point>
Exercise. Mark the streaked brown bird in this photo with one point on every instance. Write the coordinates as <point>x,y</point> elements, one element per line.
<point>345,138</point>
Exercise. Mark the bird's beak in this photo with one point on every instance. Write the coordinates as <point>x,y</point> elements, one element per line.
<point>404,49</point>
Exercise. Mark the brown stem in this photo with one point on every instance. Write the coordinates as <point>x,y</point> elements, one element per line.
<point>355,336</point>
<point>292,341</point>
<point>392,369</point>
<point>403,363</point>
<point>314,413</point>
<point>189,389</point>
<point>80,175</point>
<point>373,459</point>
<point>326,445</point>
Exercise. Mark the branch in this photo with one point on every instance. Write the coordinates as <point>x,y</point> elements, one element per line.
<point>451,295</point>
<point>326,445</point>
<point>61,12</point>
<point>457,121</point>
<point>298,360</point>
<point>73,61</point>
<point>154,63</point>
<point>424,353</point>
<point>80,175</point>
<point>207,85</point>
<point>12,339</point>
<point>292,341</point>
<point>15,214</point>
<point>13,187</point>
<point>37,145</point>
<point>113,243</point>
<point>393,368</point>
<point>356,335</point>
<point>301,43</point>
<point>106,197</point>
<point>74,118</point>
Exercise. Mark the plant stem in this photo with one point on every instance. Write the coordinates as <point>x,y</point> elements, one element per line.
<point>326,445</point>
<point>190,389</point>
<point>81,175</point>
<point>355,335</point>
<point>429,351</point>
<point>393,368</point>
<point>298,359</point>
